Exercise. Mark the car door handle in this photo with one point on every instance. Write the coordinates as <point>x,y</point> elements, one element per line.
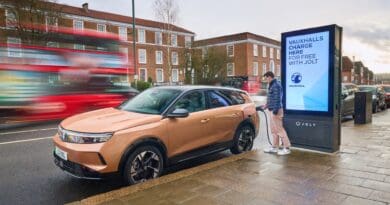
<point>205,120</point>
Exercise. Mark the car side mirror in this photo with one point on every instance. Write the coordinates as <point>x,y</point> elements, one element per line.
<point>178,113</point>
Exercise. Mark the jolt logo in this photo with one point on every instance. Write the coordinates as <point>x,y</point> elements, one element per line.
<point>296,78</point>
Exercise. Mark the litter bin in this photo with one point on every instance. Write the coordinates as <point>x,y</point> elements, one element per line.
<point>363,107</point>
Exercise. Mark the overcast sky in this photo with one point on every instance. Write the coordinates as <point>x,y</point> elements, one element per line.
<point>366,23</point>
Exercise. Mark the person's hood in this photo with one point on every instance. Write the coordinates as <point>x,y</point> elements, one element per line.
<point>107,120</point>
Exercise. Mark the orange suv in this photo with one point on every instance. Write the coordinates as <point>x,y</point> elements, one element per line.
<point>157,128</point>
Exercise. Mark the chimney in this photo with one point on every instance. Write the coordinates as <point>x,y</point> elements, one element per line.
<point>85,7</point>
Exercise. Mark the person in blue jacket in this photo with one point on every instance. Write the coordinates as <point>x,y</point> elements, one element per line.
<point>274,105</point>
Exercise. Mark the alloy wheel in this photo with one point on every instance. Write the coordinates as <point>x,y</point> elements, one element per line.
<point>245,140</point>
<point>146,165</point>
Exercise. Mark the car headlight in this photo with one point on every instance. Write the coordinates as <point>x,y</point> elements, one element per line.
<point>82,137</point>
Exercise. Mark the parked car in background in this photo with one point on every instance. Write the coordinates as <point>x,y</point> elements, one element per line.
<point>348,99</point>
<point>378,96</point>
<point>387,91</point>
<point>159,127</point>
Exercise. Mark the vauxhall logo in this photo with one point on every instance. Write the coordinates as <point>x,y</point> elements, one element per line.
<point>305,124</point>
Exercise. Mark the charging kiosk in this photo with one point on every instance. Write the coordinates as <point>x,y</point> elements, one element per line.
<point>311,79</point>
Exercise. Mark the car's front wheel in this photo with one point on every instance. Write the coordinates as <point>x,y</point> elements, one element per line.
<point>144,163</point>
<point>243,139</point>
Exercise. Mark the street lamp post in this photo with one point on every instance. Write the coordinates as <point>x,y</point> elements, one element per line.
<point>134,50</point>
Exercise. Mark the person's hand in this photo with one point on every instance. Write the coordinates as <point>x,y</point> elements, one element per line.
<point>275,111</point>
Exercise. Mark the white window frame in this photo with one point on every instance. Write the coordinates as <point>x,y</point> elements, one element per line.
<point>158,38</point>
<point>122,31</point>
<point>176,78</point>
<point>146,74</point>
<point>227,69</point>
<point>173,39</point>
<point>264,51</point>
<point>14,52</point>
<point>47,21</point>
<point>345,78</point>
<point>272,66</point>
<point>159,61</point>
<point>255,68</point>
<point>204,52</point>
<point>227,50</point>
<point>52,44</point>
<point>187,42</point>
<point>278,54</point>
<point>8,21</point>
<point>75,21</point>
<point>104,26</point>
<point>264,68</point>
<point>141,36</point>
<point>271,53</point>
<point>255,50</point>
<point>142,52</point>
<point>175,58</point>
<point>162,75</point>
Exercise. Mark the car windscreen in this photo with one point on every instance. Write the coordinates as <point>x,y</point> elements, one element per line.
<point>151,101</point>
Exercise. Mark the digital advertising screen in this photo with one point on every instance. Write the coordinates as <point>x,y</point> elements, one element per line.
<point>307,72</point>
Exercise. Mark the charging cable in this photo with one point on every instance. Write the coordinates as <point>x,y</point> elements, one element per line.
<point>260,109</point>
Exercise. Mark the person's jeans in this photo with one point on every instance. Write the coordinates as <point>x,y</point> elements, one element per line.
<point>278,130</point>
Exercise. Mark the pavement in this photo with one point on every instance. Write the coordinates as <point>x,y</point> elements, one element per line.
<point>358,174</point>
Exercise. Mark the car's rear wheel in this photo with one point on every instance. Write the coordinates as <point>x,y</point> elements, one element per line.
<point>243,139</point>
<point>144,163</point>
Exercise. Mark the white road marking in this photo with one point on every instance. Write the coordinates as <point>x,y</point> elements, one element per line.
<point>24,131</point>
<point>28,140</point>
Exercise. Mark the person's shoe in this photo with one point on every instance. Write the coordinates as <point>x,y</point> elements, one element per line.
<point>271,150</point>
<point>284,151</point>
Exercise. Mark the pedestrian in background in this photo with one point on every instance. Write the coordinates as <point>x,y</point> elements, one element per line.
<point>275,108</point>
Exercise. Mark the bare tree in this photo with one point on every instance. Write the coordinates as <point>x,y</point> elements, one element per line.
<point>208,68</point>
<point>27,18</point>
<point>167,11</point>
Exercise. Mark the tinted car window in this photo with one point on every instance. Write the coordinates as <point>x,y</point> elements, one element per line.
<point>234,97</point>
<point>151,101</point>
<point>193,102</point>
<point>387,89</point>
<point>216,100</point>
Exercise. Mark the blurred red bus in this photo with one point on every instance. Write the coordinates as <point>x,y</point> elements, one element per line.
<point>76,71</point>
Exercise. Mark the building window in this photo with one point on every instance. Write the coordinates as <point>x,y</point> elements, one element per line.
<point>123,33</point>
<point>272,66</point>
<point>230,50</point>
<point>14,49</point>
<point>159,75</point>
<point>53,44</point>
<point>175,58</point>
<point>101,27</point>
<point>141,36</point>
<point>264,68</point>
<point>204,52</point>
<point>159,57</point>
<point>277,54</point>
<point>142,56</point>
<point>158,38</point>
<point>78,25</point>
<point>175,75</point>
<point>255,68</point>
<point>79,47</point>
<point>188,41</point>
<point>264,51</point>
<point>143,74</point>
<point>345,78</point>
<point>271,52</point>
<point>173,39</point>
<point>230,69</point>
<point>277,70</point>
<point>125,52</point>
<point>10,21</point>
<point>51,21</point>
<point>255,50</point>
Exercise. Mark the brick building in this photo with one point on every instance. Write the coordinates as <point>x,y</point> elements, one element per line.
<point>347,70</point>
<point>250,55</point>
<point>152,49</point>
